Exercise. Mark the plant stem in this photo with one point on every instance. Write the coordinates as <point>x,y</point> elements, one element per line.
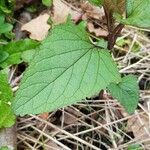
<point>112,37</point>
<point>113,32</point>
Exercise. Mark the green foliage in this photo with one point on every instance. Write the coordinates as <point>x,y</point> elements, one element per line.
<point>6,93</point>
<point>134,147</point>
<point>126,92</point>
<point>11,52</point>
<point>137,13</point>
<point>96,2</point>
<point>6,6</point>
<point>4,27</point>
<point>7,117</point>
<point>69,67</point>
<point>66,69</point>
<point>47,2</point>
<point>4,148</point>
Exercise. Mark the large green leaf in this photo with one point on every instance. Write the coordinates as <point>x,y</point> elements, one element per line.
<point>126,92</point>
<point>66,69</point>
<point>138,13</point>
<point>7,118</point>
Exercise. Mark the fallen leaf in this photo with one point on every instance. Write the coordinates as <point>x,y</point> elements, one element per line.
<point>140,127</point>
<point>44,116</point>
<point>38,27</point>
<point>61,12</point>
<point>93,11</point>
<point>99,32</point>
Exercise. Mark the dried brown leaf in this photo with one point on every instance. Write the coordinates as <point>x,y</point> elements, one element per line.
<point>38,27</point>
<point>61,12</point>
<point>92,11</point>
<point>140,127</point>
<point>99,32</point>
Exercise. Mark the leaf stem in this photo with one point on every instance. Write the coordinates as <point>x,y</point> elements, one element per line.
<point>113,32</point>
<point>112,37</point>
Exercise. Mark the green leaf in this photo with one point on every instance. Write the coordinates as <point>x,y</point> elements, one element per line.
<point>15,49</point>
<point>134,147</point>
<point>96,2</point>
<point>126,92</point>
<point>6,6</point>
<point>7,118</point>
<point>47,2</point>
<point>3,56</point>
<point>66,69</point>
<point>27,56</point>
<point>4,27</point>
<point>6,93</point>
<point>137,13</point>
<point>4,148</point>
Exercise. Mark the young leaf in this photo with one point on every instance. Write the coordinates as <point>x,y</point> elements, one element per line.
<point>15,49</point>
<point>137,13</point>
<point>6,93</point>
<point>66,69</point>
<point>126,92</point>
<point>4,27</point>
<point>7,118</point>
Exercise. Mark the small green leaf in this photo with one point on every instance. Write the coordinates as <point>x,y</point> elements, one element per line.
<point>66,69</point>
<point>96,2</point>
<point>126,92</point>
<point>134,147</point>
<point>4,27</point>
<point>47,3</point>
<point>137,13</point>
<point>6,93</point>
<point>15,49</point>
<point>7,117</point>
<point>4,148</point>
<point>102,43</point>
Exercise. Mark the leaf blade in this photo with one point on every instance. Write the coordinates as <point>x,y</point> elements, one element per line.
<point>7,117</point>
<point>126,92</point>
<point>68,68</point>
<point>137,14</point>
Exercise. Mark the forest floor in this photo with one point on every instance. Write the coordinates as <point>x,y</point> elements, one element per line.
<point>95,123</point>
